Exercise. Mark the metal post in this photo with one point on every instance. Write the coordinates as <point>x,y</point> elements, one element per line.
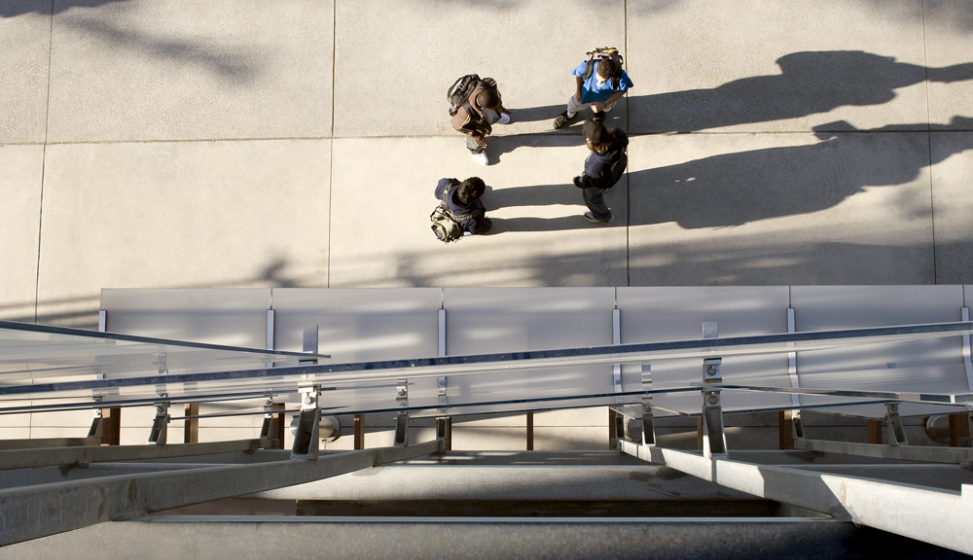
<point>785,430</point>
<point>97,428</point>
<point>714,436</point>
<point>306,442</point>
<point>648,423</point>
<point>191,426</point>
<point>442,352</point>
<point>896,429</point>
<point>959,429</point>
<point>402,429</point>
<point>444,432</point>
<point>530,431</point>
<point>874,428</point>
<point>359,431</point>
<point>160,426</point>
<point>617,340</point>
<point>612,429</point>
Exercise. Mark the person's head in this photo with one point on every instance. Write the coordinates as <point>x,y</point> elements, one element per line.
<point>599,138</point>
<point>470,190</point>
<point>488,98</point>
<point>606,69</point>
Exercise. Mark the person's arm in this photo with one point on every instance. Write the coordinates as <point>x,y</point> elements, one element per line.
<point>614,98</point>
<point>580,81</point>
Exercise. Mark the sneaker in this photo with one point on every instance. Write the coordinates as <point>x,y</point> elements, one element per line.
<point>481,158</point>
<point>591,218</point>
<point>504,118</point>
<point>562,120</point>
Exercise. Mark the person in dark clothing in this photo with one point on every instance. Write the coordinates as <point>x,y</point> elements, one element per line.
<point>603,168</point>
<point>463,201</point>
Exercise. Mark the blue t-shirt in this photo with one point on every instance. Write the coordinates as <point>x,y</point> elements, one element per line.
<point>593,91</point>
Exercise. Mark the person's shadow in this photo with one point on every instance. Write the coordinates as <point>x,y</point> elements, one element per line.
<point>738,188</point>
<point>809,83</point>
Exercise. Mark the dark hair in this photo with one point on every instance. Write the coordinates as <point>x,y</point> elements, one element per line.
<point>608,139</point>
<point>470,190</point>
<point>488,98</point>
<point>607,68</point>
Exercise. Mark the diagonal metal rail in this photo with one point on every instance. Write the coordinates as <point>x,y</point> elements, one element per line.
<point>37,511</point>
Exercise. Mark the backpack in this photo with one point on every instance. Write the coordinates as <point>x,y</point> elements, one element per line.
<point>445,225</point>
<point>459,92</point>
<point>601,54</point>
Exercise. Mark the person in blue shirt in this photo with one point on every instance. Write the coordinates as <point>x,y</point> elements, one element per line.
<point>605,86</point>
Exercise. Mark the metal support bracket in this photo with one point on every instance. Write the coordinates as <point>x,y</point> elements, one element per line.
<point>402,392</point>
<point>714,436</point>
<point>443,428</point>
<point>402,429</point>
<point>97,425</point>
<point>798,425</point>
<point>619,420</point>
<point>157,436</point>
<point>306,441</point>
<point>896,429</point>
<point>648,422</point>
<point>265,429</point>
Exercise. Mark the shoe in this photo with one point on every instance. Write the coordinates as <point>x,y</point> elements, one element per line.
<point>481,158</point>
<point>504,118</point>
<point>591,218</point>
<point>562,120</point>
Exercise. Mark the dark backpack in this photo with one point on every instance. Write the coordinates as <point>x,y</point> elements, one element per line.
<point>445,225</point>
<point>459,92</point>
<point>600,54</point>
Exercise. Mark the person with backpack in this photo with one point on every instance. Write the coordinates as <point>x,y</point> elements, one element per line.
<point>601,83</point>
<point>475,105</point>
<point>604,167</point>
<point>460,211</point>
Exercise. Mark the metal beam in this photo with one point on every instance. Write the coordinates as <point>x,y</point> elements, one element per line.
<point>11,444</point>
<point>955,455</point>
<point>939,517</point>
<point>55,456</point>
<point>38,511</point>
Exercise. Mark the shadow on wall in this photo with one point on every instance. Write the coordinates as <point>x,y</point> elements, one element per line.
<point>12,8</point>
<point>809,83</point>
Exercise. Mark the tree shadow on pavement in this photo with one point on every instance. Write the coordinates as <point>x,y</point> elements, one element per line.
<point>13,8</point>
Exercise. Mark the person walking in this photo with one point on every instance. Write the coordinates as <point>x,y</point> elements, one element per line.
<point>603,168</point>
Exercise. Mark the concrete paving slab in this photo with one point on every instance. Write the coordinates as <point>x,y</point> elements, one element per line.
<point>434,43</point>
<point>539,235</point>
<point>199,214</point>
<point>20,222</point>
<point>772,66</point>
<point>25,54</point>
<point>949,43</point>
<point>952,155</point>
<point>780,209</point>
<point>180,70</point>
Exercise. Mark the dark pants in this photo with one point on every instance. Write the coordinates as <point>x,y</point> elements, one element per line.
<point>471,145</point>
<point>595,200</point>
